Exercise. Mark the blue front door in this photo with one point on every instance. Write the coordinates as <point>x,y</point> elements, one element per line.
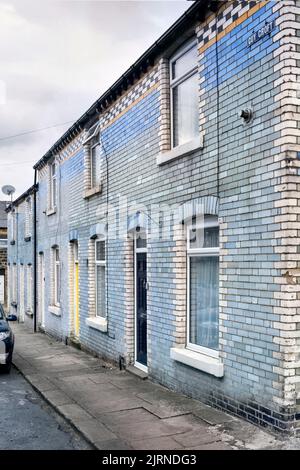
<point>141,308</point>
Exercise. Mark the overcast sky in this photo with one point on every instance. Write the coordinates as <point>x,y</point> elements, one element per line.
<point>56,58</point>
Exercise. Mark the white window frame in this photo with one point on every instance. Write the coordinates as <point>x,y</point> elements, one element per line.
<point>198,252</point>
<point>14,282</point>
<point>100,263</point>
<point>56,266</point>
<point>53,177</point>
<point>28,217</point>
<point>14,225</point>
<point>174,82</point>
<point>29,287</point>
<point>141,234</point>
<point>8,284</point>
<point>93,135</point>
<point>92,185</point>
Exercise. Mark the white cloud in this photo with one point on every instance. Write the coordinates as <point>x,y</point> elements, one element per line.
<point>56,58</point>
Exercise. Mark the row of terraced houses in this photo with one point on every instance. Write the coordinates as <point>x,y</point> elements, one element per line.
<point>162,229</point>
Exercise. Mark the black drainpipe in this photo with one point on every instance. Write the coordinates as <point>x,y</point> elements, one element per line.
<point>34,255</point>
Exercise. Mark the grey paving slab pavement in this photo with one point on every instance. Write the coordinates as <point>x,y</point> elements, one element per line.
<point>115,410</point>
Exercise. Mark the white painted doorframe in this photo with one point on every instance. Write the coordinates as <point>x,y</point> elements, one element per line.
<point>42,289</point>
<point>136,251</point>
<point>22,293</point>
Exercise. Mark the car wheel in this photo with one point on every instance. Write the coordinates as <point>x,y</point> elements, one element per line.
<point>6,368</point>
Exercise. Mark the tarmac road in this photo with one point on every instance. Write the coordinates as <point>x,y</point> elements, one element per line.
<point>28,423</point>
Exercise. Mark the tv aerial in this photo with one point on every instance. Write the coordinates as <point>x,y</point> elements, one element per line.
<point>8,190</point>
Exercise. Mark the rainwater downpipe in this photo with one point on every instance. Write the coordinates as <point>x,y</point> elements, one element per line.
<point>35,287</point>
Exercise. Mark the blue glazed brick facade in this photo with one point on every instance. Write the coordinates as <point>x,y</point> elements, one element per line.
<point>20,259</point>
<point>246,174</point>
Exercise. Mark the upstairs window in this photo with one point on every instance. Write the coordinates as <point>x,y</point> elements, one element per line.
<point>28,217</point>
<point>13,225</point>
<point>53,185</point>
<point>95,164</point>
<point>184,95</point>
<point>92,162</point>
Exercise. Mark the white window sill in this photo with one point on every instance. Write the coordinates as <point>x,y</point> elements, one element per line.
<point>97,323</point>
<point>55,310</point>
<point>210,365</point>
<point>51,211</point>
<point>180,150</point>
<point>95,190</point>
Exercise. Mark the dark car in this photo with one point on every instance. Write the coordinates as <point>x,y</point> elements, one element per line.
<point>6,342</point>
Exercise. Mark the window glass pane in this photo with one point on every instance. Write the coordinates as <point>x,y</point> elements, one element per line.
<point>57,255</point>
<point>53,169</point>
<point>141,240</point>
<point>196,237</point>
<point>29,281</point>
<point>185,111</point>
<point>207,237</point>
<point>211,237</point>
<point>95,140</point>
<point>95,165</point>
<point>100,250</point>
<point>57,275</point>
<point>184,63</point>
<point>100,291</point>
<point>204,301</point>
<point>54,191</point>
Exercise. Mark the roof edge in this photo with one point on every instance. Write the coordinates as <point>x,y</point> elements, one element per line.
<point>21,198</point>
<point>197,11</point>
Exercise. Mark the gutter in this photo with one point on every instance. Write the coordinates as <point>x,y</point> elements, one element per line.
<point>21,198</point>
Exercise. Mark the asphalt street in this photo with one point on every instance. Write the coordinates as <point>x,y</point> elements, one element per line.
<point>28,423</point>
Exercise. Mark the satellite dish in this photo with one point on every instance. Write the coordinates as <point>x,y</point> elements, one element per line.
<point>8,190</point>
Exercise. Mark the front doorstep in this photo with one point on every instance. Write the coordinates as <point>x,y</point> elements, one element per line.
<point>74,342</point>
<point>137,372</point>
